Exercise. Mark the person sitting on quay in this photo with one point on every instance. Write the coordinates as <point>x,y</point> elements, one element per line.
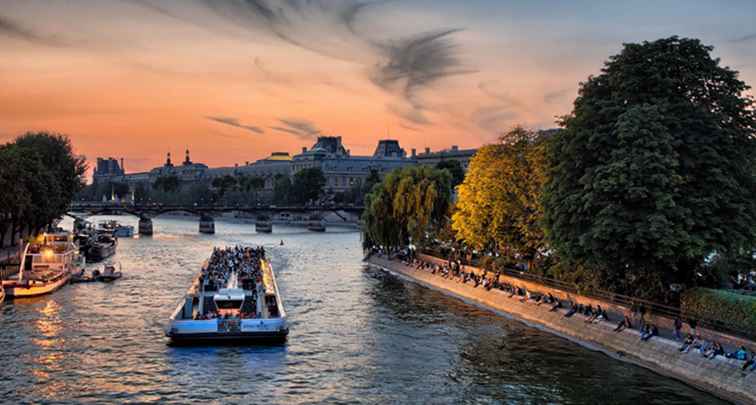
<point>625,323</point>
<point>740,354</point>
<point>678,328</point>
<point>648,332</point>
<point>594,314</point>
<point>689,341</point>
<point>573,310</point>
<point>715,350</point>
<point>556,306</point>
<point>602,316</point>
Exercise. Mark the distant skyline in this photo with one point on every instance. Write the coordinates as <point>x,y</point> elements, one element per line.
<point>234,81</point>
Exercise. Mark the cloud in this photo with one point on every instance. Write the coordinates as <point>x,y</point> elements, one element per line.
<point>494,119</point>
<point>234,122</point>
<point>414,63</point>
<point>745,38</point>
<point>13,29</point>
<point>555,96</point>
<point>301,128</point>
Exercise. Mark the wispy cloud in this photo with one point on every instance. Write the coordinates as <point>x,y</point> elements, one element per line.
<point>555,96</point>
<point>234,122</point>
<point>12,29</point>
<point>301,128</point>
<point>744,38</point>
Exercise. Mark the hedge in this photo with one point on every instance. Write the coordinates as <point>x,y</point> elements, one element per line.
<point>734,311</point>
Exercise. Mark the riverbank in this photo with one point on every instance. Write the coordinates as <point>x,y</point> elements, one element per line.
<point>720,376</point>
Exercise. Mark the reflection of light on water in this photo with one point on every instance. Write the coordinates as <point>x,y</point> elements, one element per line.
<point>49,347</point>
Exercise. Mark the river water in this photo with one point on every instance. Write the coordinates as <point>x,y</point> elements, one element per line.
<point>357,335</point>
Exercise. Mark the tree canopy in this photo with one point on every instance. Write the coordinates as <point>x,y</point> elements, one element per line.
<point>498,207</point>
<point>654,170</point>
<point>39,175</point>
<point>307,185</point>
<point>455,170</point>
<point>409,203</point>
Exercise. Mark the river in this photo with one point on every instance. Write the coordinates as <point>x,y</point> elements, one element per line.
<point>357,335</point>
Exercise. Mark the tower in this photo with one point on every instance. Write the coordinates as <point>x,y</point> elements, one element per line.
<point>168,162</point>
<point>187,161</point>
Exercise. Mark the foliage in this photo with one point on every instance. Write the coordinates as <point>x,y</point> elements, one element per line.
<point>224,183</point>
<point>281,189</point>
<point>654,170</point>
<point>455,170</point>
<point>498,206</point>
<point>307,185</point>
<point>736,311</point>
<point>408,204</point>
<point>167,184</point>
<point>39,175</point>
<point>370,181</point>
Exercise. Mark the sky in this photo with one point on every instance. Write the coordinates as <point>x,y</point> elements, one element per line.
<point>236,80</point>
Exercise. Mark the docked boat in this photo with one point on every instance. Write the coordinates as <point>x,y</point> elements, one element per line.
<point>47,264</point>
<point>116,229</point>
<point>316,225</point>
<point>108,274</point>
<point>263,225</point>
<point>234,298</point>
<point>101,246</point>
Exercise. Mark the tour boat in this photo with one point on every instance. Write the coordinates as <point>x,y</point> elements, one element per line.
<point>263,225</point>
<point>46,265</point>
<point>116,229</point>
<point>243,307</point>
<point>101,247</point>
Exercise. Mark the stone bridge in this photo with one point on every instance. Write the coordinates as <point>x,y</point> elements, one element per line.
<point>206,213</point>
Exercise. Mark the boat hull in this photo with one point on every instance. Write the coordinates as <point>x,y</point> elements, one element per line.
<point>124,232</point>
<point>277,337</point>
<point>21,291</point>
<point>98,253</point>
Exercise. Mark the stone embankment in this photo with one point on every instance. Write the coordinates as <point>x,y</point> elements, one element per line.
<point>720,376</point>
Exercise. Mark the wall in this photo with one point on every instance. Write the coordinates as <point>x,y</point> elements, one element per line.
<point>720,376</point>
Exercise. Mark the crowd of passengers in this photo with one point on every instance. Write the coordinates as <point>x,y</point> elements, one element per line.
<point>242,260</point>
<point>453,270</point>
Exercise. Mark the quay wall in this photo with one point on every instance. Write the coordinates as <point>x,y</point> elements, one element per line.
<point>721,376</point>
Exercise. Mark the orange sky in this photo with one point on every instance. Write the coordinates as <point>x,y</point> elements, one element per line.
<point>236,80</point>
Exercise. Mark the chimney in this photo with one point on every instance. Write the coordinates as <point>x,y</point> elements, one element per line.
<point>414,152</point>
<point>123,168</point>
<point>427,150</point>
<point>304,149</point>
<point>455,148</point>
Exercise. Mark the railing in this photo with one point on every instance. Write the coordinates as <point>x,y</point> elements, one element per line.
<point>627,301</point>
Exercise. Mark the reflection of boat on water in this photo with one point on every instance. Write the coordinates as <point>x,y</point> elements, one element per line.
<point>46,265</point>
<point>263,225</point>
<point>240,303</point>
<point>101,246</point>
<point>116,229</point>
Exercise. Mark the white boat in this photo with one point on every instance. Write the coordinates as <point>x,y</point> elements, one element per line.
<point>47,264</point>
<point>239,304</point>
<point>116,229</point>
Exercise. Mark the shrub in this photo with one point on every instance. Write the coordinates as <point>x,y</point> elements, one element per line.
<point>733,310</point>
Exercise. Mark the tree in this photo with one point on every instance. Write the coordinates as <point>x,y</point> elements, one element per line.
<point>409,204</point>
<point>281,189</point>
<point>307,185</point>
<point>224,183</point>
<point>455,170</point>
<point>498,206</point>
<point>654,170</point>
<point>167,184</point>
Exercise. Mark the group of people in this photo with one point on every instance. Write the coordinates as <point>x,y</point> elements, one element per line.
<point>242,260</point>
<point>709,349</point>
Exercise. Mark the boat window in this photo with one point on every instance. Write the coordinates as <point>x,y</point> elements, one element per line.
<point>28,262</point>
<point>230,304</point>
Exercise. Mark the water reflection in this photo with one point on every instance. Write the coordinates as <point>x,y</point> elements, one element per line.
<point>356,335</point>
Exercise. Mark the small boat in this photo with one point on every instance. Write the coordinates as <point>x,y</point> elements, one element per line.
<point>263,225</point>
<point>239,304</point>
<point>116,229</point>
<point>82,277</point>
<point>108,274</point>
<point>101,247</point>
<point>316,225</point>
<point>47,263</point>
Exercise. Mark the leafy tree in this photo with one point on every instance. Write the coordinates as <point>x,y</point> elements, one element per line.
<point>167,184</point>
<point>654,170</point>
<point>409,203</point>
<point>498,207</point>
<point>455,169</point>
<point>281,189</point>
<point>225,183</point>
<point>141,192</point>
<point>370,181</point>
<point>307,185</point>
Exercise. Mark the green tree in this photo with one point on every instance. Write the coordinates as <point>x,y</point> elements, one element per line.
<point>410,203</point>
<point>654,170</point>
<point>281,189</point>
<point>225,183</point>
<point>307,185</point>
<point>498,206</point>
<point>455,170</point>
<point>167,184</point>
